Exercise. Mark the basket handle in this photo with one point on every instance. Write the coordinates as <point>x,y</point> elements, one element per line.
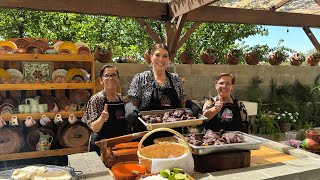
<point>163,129</point>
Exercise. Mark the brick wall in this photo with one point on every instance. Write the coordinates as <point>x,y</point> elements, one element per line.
<point>199,78</point>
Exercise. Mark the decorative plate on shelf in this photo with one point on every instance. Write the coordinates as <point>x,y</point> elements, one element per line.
<point>22,43</point>
<point>68,45</point>
<point>78,44</point>
<point>10,44</point>
<point>4,75</point>
<point>81,96</point>
<point>59,72</point>
<point>87,75</point>
<point>41,44</point>
<point>56,45</point>
<point>15,76</point>
<point>75,74</point>
<point>37,69</point>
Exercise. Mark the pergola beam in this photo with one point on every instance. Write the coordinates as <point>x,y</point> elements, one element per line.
<point>179,7</point>
<point>148,30</point>
<point>193,27</point>
<point>312,38</point>
<point>250,16</point>
<point>176,35</point>
<point>278,5</point>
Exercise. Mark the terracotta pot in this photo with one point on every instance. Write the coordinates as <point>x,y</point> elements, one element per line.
<point>273,60</point>
<point>285,127</point>
<point>101,57</point>
<point>294,59</point>
<point>251,60</point>
<point>147,56</point>
<point>209,58</point>
<point>231,60</point>
<point>185,59</point>
<point>311,61</point>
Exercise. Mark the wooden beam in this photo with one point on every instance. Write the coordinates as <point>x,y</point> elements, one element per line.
<point>317,1</point>
<point>193,27</point>
<point>278,5</point>
<point>250,16</point>
<point>177,33</point>
<point>148,30</point>
<point>169,32</point>
<point>312,38</point>
<point>179,7</point>
<point>122,8</point>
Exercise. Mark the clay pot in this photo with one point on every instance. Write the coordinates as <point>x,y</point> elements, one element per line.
<point>231,60</point>
<point>273,60</point>
<point>311,61</point>
<point>285,127</point>
<point>209,58</point>
<point>185,59</point>
<point>147,56</point>
<point>101,57</point>
<point>296,59</point>
<point>251,60</point>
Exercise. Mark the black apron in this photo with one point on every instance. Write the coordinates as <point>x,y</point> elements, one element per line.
<point>115,126</point>
<point>228,119</point>
<point>160,99</point>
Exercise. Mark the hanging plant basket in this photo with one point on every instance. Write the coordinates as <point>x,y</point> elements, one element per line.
<point>277,57</point>
<point>102,56</point>
<point>186,59</point>
<point>147,56</point>
<point>297,59</point>
<point>233,57</point>
<point>313,59</point>
<point>251,59</point>
<point>209,56</point>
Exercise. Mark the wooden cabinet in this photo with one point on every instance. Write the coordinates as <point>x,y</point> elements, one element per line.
<point>58,90</point>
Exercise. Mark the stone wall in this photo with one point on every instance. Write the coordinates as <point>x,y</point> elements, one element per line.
<point>199,78</point>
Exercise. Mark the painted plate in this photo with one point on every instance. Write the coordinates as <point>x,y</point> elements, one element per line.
<point>78,44</point>
<point>10,44</point>
<point>81,96</point>
<point>4,75</point>
<point>59,72</point>
<point>68,45</point>
<point>15,75</point>
<point>56,45</point>
<point>87,75</point>
<point>76,75</point>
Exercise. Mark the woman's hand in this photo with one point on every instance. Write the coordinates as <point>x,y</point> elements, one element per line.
<point>218,106</point>
<point>211,112</point>
<point>105,114</point>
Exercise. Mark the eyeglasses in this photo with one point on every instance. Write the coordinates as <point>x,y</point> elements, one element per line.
<point>110,76</point>
<point>224,84</point>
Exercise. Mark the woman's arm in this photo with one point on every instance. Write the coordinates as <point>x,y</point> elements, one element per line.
<point>97,124</point>
<point>210,109</point>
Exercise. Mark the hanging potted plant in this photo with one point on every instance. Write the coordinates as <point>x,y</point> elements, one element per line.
<point>278,56</point>
<point>254,56</point>
<point>187,56</point>
<point>297,59</point>
<point>234,56</point>
<point>103,52</point>
<point>210,56</point>
<point>313,59</point>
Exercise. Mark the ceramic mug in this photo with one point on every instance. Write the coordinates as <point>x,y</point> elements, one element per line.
<point>29,121</point>
<point>55,109</point>
<point>57,119</point>
<point>21,108</point>
<point>45,107</point>
<point>44,120</point>
<point>34,109</point>
<point>2,122</point>
<point>27,108</point>
<point>14,121</point>
<point>41,108</point>
<point>72,118</point>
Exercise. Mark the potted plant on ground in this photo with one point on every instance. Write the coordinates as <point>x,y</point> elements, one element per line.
<point>285,120</point>
<point>278,56</point>
<point>188,55</point>
<point>297,59</point>
<point>313,59</point>
<point>103,52</point>
<point>234,56</point>
<point>210,56</point>
<point>254,56</point>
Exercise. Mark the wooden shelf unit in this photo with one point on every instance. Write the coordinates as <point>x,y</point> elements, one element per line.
<point>59,89</point>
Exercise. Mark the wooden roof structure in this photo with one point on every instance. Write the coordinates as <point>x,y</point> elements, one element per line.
<point>301,13</point>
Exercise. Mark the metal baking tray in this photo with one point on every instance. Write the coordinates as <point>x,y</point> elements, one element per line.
<point>6,173</point>
<point>250,142</point>
<point>192,122</point>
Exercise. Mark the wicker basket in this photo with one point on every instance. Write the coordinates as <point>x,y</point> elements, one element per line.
<point>169,151</point>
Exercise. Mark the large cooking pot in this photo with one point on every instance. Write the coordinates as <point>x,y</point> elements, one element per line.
<point>34,135</point>
<point>11,140</point>
<point>73,135</point>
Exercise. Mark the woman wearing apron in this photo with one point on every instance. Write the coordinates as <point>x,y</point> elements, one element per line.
<point>105,113</point>
<point>156,89</point>
<point>224,111</point>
